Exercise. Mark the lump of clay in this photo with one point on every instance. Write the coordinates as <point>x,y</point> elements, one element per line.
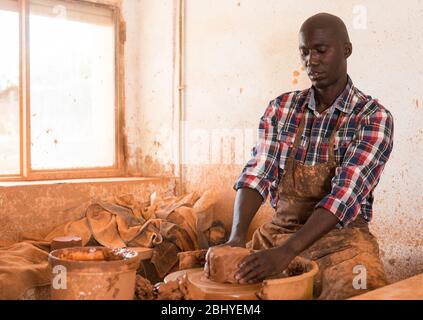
<point>144,290</point>
<point>168,291</point>
<point>223,263</point>
<point>65,242</point>
<point>172,290</point>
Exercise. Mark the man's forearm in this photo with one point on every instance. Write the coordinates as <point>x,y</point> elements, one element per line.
<point>319,224</point>
<point>247,203</point>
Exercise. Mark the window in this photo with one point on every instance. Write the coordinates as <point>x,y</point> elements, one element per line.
<point>60,90</point>
<point>9,89</point>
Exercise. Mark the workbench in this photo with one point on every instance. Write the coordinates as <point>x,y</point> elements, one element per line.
<point>408,289</point>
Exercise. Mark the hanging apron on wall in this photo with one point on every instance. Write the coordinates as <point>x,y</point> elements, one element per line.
<point>342,254</point>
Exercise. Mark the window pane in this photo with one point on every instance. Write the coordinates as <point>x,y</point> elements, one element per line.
<point>9,88</point>
<point>72,67</point>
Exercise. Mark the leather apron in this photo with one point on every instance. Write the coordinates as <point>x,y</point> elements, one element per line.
<point>342,254</point>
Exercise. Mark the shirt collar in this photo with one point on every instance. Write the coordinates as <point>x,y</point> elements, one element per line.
<point>342,103</point>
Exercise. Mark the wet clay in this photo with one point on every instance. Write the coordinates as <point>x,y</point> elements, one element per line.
<point>65,242</point>
<point>144,290</point>
<point>224,263</point>
<point>97,254</point>
<point>171,290</point>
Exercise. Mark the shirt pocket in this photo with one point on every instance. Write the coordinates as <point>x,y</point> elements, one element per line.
<point>341,145</point>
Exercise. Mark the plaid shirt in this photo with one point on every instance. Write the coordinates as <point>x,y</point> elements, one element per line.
<point>362,146</point>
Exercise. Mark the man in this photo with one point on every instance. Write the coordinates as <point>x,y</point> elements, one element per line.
<point>320,154</point>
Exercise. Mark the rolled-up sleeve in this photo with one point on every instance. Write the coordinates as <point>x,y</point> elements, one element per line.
<point>361,167</point>
<point>262,169</point>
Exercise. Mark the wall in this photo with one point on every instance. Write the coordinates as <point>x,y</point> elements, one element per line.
<point>241,54</point>
<point>149,69</point>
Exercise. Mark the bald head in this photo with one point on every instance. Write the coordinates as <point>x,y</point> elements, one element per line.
<point>324,48</point>
<point>328,22</point>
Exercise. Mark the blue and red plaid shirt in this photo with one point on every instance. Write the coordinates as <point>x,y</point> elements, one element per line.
<point>362,146</point>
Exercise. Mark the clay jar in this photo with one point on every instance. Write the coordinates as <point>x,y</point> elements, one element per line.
<point>224,263</point>
<point>93,273</point>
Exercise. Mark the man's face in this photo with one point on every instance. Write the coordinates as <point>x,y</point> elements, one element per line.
<point>323,56</point>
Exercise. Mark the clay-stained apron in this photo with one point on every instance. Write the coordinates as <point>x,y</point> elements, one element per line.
<point>342,254</point>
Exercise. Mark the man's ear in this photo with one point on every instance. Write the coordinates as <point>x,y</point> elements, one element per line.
<point>347,50</point>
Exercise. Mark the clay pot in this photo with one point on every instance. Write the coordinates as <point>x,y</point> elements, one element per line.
<point>93,273</point>
<point>288,287</point>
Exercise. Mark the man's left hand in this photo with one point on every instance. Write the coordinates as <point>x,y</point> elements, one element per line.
<point>262,264</point>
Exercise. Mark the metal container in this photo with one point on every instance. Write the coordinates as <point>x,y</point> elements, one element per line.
<point>93,273</point>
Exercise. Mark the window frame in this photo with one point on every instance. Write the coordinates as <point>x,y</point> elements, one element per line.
<point>28,174</point>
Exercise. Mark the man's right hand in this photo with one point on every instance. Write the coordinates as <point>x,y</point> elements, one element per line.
<point>247,202</point>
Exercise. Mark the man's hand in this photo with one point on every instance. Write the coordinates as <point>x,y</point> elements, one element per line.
<point>270,262</point>
<point>247,202</point>
<point>262,264</point>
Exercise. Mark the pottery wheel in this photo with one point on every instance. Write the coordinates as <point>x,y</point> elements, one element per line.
<point>177,274</point>
<point>207,289</point>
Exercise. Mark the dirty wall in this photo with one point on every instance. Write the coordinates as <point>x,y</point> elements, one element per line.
<point>242,54</point>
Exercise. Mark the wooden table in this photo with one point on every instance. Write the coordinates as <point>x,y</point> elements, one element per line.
<point>408,289</point>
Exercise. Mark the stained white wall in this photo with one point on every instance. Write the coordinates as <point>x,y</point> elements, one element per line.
<point>240,54</point>
<point>149,72</point>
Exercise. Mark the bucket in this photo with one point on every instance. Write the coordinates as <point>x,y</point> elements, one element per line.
<point>93,273</point>
<point>297,287</point>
